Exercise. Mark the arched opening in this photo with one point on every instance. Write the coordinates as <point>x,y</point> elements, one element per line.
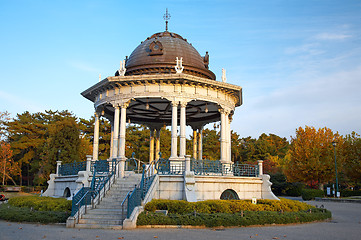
<point>229,194</point>
<point>67,193</point>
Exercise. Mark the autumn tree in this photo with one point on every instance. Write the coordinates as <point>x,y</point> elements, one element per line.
<point>7,166</point>
<point>352,164</point>
<point>312,156</point>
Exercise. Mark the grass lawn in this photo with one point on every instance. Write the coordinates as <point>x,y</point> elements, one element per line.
<point>17,194</point>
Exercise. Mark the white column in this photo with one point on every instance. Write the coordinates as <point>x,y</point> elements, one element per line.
<point>200,144</point>
<point>260,167</point>
<point>58,164</point>
<point>96,137</point>
<point>229,139</point>
<point>151,146</point>
<point>174,154</point>
<point>115,132</point>
<point>123,124</point>
<point>157,143</point>
<point>195,143</point>
<point>223,136</point>
<point>182,144</point>
<point>121,153</point>
<point>88,162</point>
<point>111,138</point>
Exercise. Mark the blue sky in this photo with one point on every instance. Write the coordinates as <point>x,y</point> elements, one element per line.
<point>299,62</point>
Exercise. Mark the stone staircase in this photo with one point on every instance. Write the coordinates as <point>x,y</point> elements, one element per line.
<point>108,214</point>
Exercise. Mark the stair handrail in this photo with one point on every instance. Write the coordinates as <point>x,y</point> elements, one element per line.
<point>124,201</point>
<point>134,197</point>
<point>94,189</point>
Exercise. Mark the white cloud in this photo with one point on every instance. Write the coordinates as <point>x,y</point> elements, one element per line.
<point>16,104</point>
<point>309,48</point>
<point>331,101</point>
<point>332,36</point>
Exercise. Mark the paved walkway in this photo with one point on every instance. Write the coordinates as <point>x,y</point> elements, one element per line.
<point>346,224</point>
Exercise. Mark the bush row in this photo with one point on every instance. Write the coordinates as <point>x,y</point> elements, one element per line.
<point>16,214</point>
<point>350,193</point>
<point>310,194</point>
<point>225,206</point>
<point>246,218</point>
<point>41,203</point>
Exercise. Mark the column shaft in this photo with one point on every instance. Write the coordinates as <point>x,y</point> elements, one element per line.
<point>157,144</point>
<point>151,146</point>
<point>116,132</point>
<point>123,122</point>
<point>174,130</point>
<point>111,138</point>
<point>182,144</point>
<point>223,137</point>
<point>200,144</point>
<point>96,137</point>
<point>195,143</point>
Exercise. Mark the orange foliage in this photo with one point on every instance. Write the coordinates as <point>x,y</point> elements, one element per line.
<point>312,155</point>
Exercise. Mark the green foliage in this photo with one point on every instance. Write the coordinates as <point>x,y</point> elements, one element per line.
<point>280,186</point>
<point>245,218</point>
<point>311,194</point>
<point>350,193</point>
<point>17,214</point>
<point>225,206</point>
<point>352,152</point>
<point>42,203</point>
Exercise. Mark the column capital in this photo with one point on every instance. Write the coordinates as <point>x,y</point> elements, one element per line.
<point>183,104</point>
<point>124,104</point>
<point>175,103</point>
<point>115,105</point>
<point>224,110</point>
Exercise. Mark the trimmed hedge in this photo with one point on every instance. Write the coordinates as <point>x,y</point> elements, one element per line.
<point>225,206</point>
<point>41,203</point>
<point>246,218</point>
<point>17,214</point>
<point>350,193</point>
<point>310,194</point>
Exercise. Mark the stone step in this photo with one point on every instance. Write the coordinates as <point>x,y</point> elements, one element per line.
<point>104,216</point>
<point>106,211</point>
<point>99,226</point>
<point>100,221</point>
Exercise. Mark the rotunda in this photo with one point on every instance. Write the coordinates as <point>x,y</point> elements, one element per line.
<point>165,82</point>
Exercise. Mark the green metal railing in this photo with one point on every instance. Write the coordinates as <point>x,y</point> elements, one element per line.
<point>207,167</point>
<point>72,168</point>
<point>102,173</point>
<point>245,170</point>
<point>134,198</point>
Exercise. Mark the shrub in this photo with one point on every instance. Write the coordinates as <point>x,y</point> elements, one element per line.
<point>41,203</point>
<point>246,218</point>
<point>17,214</point>
<point>225,206</point>
<point>310,194</point>
<point>350,193</point>
<point>281,187</point>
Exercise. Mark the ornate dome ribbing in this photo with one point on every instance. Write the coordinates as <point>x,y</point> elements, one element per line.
<point>158,53</point>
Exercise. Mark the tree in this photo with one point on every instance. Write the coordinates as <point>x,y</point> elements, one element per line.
<point>26,134</point>
<point>352,164</point>
<point>211,144</point>
<point>4,119</point>
<point>312,156</point>
<point>8,167</point>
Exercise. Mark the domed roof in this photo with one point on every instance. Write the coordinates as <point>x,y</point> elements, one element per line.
<point>158,53</point>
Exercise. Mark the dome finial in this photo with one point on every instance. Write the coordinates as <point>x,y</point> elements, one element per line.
<point>166,17</point>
